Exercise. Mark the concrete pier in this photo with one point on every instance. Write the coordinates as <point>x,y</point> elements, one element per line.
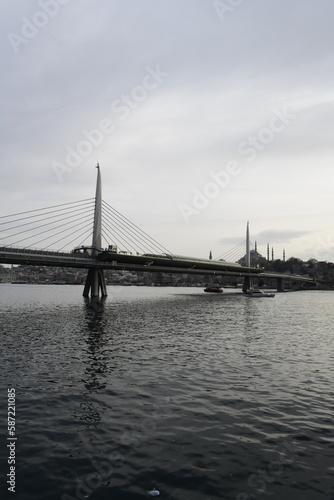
<point>95,283</point>
<point>280,284</point>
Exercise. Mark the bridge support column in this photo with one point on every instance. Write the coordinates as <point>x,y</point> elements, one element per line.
<point>95,283</point>
<point>280,285</point>
<point>247,284</point>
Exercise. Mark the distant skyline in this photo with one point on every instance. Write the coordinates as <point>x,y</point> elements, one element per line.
<point>202,115</point>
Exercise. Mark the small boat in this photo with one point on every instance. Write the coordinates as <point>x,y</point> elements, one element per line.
<point>213,289</point>
<point>259,293</point>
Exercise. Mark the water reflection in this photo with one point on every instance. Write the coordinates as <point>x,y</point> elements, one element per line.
<point>195,392</point>
<point>94,310</point>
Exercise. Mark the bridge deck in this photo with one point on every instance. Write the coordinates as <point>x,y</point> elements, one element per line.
<point>141,263</point>
<point>119,261</point>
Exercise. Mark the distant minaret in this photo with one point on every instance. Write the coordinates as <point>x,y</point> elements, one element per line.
<point>284,255</point>
<point>247,246</point>
<point>210,256</point>
<point>256,247</point>
<point>268,252</point>
<point>272,253</point>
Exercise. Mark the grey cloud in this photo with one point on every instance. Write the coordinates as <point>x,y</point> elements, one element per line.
<point>276,236</point>
<point>225,79</point>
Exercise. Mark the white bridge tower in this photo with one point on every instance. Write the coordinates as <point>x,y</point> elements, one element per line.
<point>95,282</point>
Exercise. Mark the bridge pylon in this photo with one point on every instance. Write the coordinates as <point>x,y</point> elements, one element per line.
<point>95,282</point>
<point>247,280</point>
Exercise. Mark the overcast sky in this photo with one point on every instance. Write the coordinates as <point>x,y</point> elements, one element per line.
<point>202,114</point>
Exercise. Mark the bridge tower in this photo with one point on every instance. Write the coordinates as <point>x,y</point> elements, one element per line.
<point>95,282</point>
<point>247,282</point>
<point>247,246</point>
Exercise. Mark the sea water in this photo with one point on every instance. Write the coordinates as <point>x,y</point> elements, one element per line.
<point>199,396</point>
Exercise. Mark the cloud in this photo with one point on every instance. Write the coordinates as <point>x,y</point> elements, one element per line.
<point>225,79</point>
<point>273,236</point>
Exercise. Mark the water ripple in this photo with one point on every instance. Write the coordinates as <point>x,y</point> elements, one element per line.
<point>201,397</point>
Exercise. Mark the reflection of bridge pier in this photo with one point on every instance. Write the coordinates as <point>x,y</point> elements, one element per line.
<point>96,359</point>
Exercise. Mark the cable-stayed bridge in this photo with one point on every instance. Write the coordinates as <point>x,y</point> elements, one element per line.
<point>90,234</point>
